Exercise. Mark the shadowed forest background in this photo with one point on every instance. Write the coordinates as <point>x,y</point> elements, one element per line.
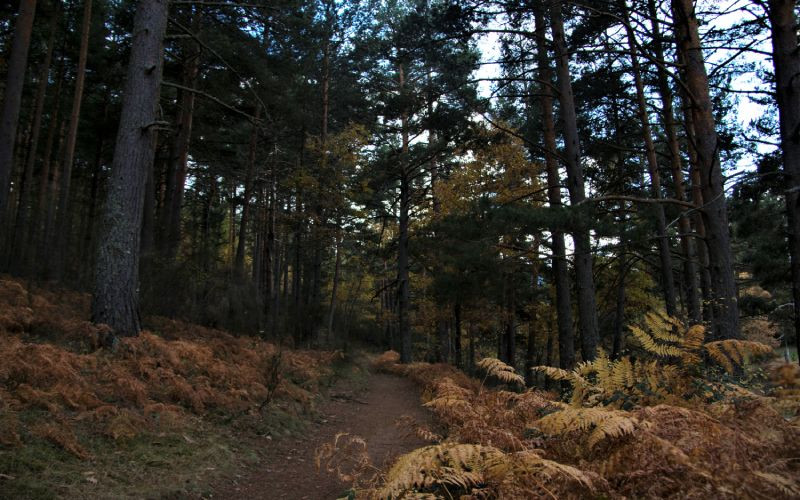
<point>211,211</point>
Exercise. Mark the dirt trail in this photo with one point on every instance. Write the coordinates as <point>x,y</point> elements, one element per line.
<point>287,470</point>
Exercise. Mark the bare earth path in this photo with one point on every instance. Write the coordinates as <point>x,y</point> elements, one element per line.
<point>287,470</point>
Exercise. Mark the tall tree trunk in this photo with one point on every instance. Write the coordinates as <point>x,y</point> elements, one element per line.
<point>248,193</point>
<point>94,188</point>
<point>548,359</point>
<point>45,249</point>
<point>786,60</point>
<point>587,307</point>
<point>12,100</point>
<point>619,313</point>
<point>176,172</point>
<point>566,334</point>
<point>530,351</point>
<point>64,215</point>
<point>297,273</point>
<point>510,337</point>
<point>715,212</point>
<point>667,280</point>
<point>700,226</point>
<point>442,340</point>
<point>148,214</point>
<point>270,250</point>
<point>335,285</point>
<point>403,294</point>
<point>38,235</point>
<point>676,166</point>
<point>457,333</point>
<point>471,350</point>
<point>115,300</point>
<point>20,254</point>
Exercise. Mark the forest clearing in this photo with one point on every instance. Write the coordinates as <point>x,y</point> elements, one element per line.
<point>396,249</point>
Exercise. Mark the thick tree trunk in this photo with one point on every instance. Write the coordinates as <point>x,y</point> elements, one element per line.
<point>12,100</point>
<point>715,213</point>
<point>786,60</point>
<point>20,254</point>
<point>676,166</point>
<point>115,300</point>
<point>403,293</point>
<point>64,215</point>
<point>587,307</point>
<point>667,280</point>
<point>566,334</point>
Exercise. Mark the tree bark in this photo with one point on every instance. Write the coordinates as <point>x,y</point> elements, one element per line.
<point>20,254</point>
<point>667,280</point>
<point>471,351</point>
<point>530,351</point>
<point>676,166</point>
<point>619,313</point>
<point>457,334</point>
<point>700,226</point>
<point>115,300</point>
<point>566,334</point>
<point>714,212</point>
<point>39,235</point>
<point>402,249</point>
<point>248,193</point>
<point>176,173</point>
<point>12,100</point>
<point>64,216</point>
<point>45,250</point>
<point>786,60</point>
<point>510,337</point>
<point>587,307</point>
<point>297,273</point>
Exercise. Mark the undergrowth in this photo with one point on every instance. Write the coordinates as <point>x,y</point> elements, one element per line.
<point>76,420</point>
<point>672,423</point>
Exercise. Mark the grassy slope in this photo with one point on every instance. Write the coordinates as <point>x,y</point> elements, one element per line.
<point>162,416</point>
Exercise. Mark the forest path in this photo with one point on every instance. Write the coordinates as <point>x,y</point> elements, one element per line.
<point>287,469</point>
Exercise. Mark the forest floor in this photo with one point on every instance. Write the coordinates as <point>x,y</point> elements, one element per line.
<point>181,411</point>
<point>370,409</point>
